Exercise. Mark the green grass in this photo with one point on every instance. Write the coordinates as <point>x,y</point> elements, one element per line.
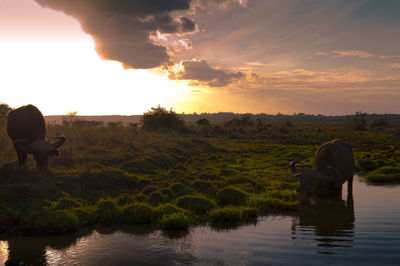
<point>108,175</point>
<point>384,175</point>
<point>175,221</point>
<point>231,196</point>
<point>195,203</point>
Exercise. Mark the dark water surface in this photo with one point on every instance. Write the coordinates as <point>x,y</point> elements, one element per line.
<point>362,231</point>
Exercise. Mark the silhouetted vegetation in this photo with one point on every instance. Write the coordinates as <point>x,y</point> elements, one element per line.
<point>111,173</point>
<point>160,119</point>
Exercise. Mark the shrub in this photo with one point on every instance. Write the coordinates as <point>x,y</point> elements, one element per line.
<point>267,204</point>
<point>231,196</point>
<point>204,187</point>
<point>85,215</point>
<point>249,213</point>
<point>159,118</point>
<point>197,204</point>
<point>225,215</point>
<point>203,122</point>
<point>209,177</point>
<point>366,164</point>
<point>125,199</point>
<point>175,221</point>
<point>139,213</point>
<point>384,174</point>
<point>8,217</point>
<point>286,194</point>
<point>50,221</point>
<point>66,203</point>
<point>180,190</point>
<point>140,198</point>
<point>156,198</point>
<point>64,221</point>
<point>241,180</point>
<point>167,192</point>
<point>168,208</point>
<point>108,212</point>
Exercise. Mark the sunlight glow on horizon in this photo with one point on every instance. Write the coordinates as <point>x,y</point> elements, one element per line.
<point>47,60</point>
<point>60,76</point>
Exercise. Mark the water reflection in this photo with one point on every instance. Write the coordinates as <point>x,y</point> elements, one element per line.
<point>330,222</point>
<point>32,250</point>
<point>323,232</point>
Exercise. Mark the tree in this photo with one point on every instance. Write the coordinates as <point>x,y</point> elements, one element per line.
<point>359,121</point>
<point>159,118</point>
<point>203,122</point>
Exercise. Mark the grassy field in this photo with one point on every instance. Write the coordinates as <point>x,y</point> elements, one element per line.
<point>218,175</point>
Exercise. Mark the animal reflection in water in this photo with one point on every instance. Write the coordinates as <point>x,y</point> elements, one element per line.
<point>32,251</point>
<point>329,221</point>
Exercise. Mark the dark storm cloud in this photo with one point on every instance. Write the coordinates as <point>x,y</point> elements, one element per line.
<point>121,28</point>
<point>200,71</point>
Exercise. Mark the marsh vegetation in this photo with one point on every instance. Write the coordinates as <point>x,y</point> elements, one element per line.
<point>175,175</point>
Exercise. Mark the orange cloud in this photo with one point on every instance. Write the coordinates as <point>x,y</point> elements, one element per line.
<point>355,53</point>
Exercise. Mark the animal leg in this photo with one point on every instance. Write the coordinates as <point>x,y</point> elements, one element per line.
<point>41,159</point>
<point>21,155</point>
<point>350,186</point>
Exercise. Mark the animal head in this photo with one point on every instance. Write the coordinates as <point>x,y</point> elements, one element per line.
<point>313,181</point>
<point>42,149</point>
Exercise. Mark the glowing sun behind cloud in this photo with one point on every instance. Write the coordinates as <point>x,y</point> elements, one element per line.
<point>64,75</point>
<point>61,71</point>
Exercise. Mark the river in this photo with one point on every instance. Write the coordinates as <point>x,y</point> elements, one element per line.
<point>364,230</point>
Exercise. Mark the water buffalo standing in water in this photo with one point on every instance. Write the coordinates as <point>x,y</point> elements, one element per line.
<point>333,165</point>
<point>27,130</point>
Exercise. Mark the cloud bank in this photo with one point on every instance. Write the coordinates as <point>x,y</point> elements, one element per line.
<point>121,28</point>
<point>200,71</point>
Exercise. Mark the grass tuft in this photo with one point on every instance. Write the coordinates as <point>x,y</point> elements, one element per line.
<point>232,196</point>
<point>384,174</point>
<point>195,203</point>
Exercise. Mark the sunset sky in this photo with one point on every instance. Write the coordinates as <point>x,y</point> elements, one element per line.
<point>105,57</point>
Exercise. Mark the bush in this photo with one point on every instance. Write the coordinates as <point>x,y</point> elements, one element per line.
<point>175,221</point>
<point>384,174</point>
<point>267,204</point>
<point>249,213</point>
<point>231,196</point>
<point>108,212</point>
<point>225,215</point>
<point>159,118</point>
<point>139,213</point>
<point>156,198</point>
<point>66,203</point>
<point>85,215</point>
<point>168,208</point>
<point>125,199</point>
<point>366,164</point>
<point>204,187</point>
<point>203,122</point>
<point>50,222</point>
<point>180,190</point>
<point>197,204</point>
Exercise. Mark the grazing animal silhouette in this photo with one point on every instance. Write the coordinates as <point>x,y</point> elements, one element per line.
<point>333,165</point>
<point>27,130</point>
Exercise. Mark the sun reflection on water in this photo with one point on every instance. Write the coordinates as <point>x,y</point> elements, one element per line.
<point>3,251</point>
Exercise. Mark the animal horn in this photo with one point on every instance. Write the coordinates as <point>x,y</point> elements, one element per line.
<point>293,166</point>
<point>58,143</point>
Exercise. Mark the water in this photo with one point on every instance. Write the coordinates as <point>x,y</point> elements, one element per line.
<point>365,231</point>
